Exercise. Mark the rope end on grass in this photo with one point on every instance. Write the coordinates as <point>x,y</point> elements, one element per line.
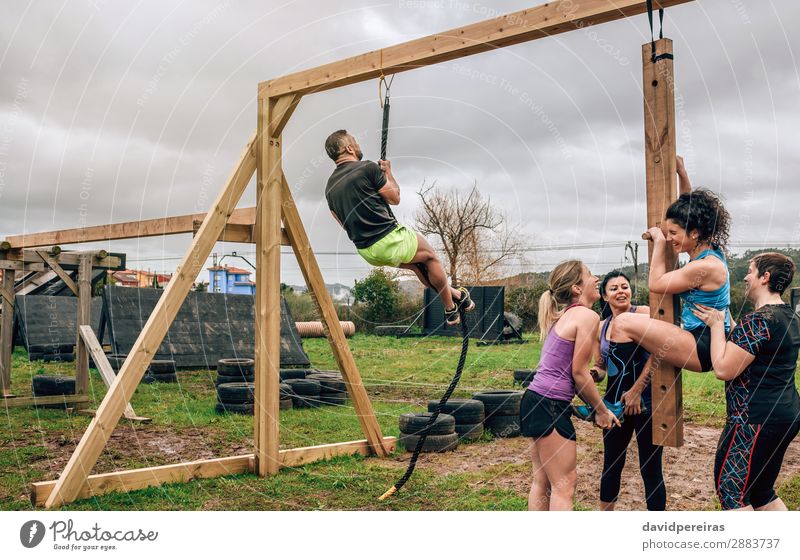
<point>388,494</point>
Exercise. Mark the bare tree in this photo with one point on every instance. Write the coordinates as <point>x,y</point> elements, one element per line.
<point>474,236</point>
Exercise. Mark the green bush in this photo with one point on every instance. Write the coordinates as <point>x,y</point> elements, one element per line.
<point>377,300</point>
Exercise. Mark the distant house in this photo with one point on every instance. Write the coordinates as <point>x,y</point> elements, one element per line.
<point>140,278</point>
<point>230,280</point>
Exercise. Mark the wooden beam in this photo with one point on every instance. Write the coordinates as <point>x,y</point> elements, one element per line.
<point>6,331</point>
<point>242,233</point>
<point>284,108</point>
<point>137,479</point>
<point>74,476</point>
<point>55,267</point>
<point>330,321</point>
<point>304,455</point>
<point>662,190</point>
<point>92,412</point>
<point>518,27</point>
<point>72,260</point>
<point>84,318</point>
<point>16,402</point>
<point>5,293</point>
<point>266,425</point>
<point>94,347</point>
<point>172,225</point>
<point>6,264</point>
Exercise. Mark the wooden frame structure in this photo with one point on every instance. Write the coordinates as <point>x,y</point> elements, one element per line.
<point>277,100</point>
<point>15,258</point>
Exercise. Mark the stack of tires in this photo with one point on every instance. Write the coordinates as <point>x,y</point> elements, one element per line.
<point>235,370</point>
<point>161,371</point>
<point>53,385</point>
<point>295,373</point>
<point>468,414</point>
<point>332,390</point>
<point>441,437</point>
<point>524,377</point>
<point>235,397</point>
<point>502,411</point>
<point>52,352</point>
<point>305,392</point>
<point>286,396</point>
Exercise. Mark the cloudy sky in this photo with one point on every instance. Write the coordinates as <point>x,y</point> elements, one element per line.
<point>113,112</point>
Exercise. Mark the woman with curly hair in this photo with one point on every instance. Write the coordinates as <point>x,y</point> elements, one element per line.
<point>697,224</point>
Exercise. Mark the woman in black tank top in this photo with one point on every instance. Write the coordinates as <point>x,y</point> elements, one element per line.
<point>625,362</point>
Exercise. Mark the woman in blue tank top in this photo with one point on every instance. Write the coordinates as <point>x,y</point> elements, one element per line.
<point>697,224</point>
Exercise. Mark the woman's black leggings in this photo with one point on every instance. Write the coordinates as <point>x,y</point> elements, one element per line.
<point>615,447</point>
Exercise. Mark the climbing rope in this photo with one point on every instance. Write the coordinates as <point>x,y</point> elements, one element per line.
<point>432,420</point>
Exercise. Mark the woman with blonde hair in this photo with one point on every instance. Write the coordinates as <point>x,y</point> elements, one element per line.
<point>569,330</point>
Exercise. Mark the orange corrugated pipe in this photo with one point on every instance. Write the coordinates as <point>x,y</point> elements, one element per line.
<point>313,329</point>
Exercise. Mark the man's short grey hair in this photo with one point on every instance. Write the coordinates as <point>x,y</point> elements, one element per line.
<point>336,143</point>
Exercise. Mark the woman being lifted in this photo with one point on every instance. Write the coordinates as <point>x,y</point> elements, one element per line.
<point>697,224</point>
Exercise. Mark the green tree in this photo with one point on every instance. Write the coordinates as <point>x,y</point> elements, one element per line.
<point>380,295</point>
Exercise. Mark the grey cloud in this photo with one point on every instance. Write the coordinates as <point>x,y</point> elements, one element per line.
<point>155,103</point>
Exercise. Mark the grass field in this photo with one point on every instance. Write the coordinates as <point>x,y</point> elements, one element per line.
<point>400,376</point>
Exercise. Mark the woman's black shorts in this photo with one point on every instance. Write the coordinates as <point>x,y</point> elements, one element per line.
<point>539,416</point>
<point>702,337</point>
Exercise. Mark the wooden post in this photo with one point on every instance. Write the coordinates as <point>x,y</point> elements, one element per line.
<point>84,318</point>
<point>74,477</point>
<point>6,331</point>
<point>330,322</point>
<point>662,190</point>
<point>268,296</point>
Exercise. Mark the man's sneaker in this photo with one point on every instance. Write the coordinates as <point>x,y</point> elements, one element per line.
<point>451,316</point>
<point>465,302</point>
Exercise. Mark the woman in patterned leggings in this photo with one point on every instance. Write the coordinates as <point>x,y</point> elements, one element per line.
<point>758,365</point>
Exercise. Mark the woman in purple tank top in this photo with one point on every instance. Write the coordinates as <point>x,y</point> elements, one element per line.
<point>569,328</point>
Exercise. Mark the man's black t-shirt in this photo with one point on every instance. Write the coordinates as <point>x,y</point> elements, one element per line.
<point>765,390</point>
<point>352,195</point>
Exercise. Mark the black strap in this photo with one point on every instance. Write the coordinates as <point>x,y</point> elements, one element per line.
<point>385,129</point>
<point>653,57</point>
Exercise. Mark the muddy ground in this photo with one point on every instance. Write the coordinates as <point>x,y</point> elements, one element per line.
<point>687,470</point>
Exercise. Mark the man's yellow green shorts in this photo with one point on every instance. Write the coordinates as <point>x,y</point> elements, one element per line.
<point>397,247</point>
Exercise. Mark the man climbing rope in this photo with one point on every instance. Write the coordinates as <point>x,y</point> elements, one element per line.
<point>359,194</point>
